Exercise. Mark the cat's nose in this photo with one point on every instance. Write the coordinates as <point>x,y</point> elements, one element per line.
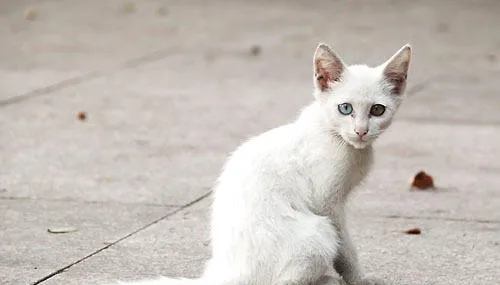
<point>361,132</point>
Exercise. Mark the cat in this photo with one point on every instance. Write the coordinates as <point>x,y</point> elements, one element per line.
<point>278,214</point>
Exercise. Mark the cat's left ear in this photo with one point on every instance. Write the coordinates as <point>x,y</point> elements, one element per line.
<point>396,69</point>
<point>328,67</point>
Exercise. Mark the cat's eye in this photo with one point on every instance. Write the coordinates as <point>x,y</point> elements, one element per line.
<point>377,110</point>
<point>345,109</point>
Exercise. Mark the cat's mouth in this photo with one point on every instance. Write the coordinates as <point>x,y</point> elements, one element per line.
<point>357,142</point>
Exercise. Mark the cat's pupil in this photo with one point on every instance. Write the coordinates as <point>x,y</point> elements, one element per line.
<point>345,108</point>
<point>377,110</point>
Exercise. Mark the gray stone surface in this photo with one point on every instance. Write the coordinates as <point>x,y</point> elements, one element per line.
<point>177,246</point>
<point>447,252</point>
<point>30,252</point>
<point>169,95</point>
<point>461,158</point>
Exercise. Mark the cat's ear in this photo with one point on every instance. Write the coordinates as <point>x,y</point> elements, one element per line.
<point>396,69</point>
<point>328,67</point>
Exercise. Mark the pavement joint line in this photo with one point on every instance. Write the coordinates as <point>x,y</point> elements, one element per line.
<point>162,53</point>
<point>202,197</point>
<point>482,221</point>
<point>86,201</point>
<point>463,220</point>
<point>453,122</point>
<point>51,88</point>
<point>128,64</point>
<point>419,87</point>
<point>423,85</point>
<point>61,270</point>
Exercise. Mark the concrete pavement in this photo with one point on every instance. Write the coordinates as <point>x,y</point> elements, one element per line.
<point>171,87</point>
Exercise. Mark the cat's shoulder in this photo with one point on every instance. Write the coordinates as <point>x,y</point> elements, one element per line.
<point>280,137</point>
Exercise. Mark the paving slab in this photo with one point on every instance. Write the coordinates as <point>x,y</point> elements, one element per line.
<point>178,246</point>
<point>97,35</point>
<point>446,252</point>
<point>134,146</point>
<point>169,94</point>
<point>30,252</point>
<point>461,158</point>
<point>180,134</point>
<point>69,39</point>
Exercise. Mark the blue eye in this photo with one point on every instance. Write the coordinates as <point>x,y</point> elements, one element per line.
<point>345,109</point>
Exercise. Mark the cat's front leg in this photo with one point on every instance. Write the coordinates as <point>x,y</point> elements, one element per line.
<point>346,262</point>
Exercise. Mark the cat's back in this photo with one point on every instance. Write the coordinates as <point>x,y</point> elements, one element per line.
<point>269,146</point>
<point>259,165</point>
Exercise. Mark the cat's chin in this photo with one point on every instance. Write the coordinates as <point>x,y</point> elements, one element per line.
<point>357,144</point>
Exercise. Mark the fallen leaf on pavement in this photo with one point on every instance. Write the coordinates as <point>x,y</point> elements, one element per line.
<point>413,231</point>
<point>82,116</point>
<point>422,181</point>
<point>61,230</point>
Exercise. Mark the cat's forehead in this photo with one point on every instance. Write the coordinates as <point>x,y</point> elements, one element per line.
<point>362,78</point>
<point>362,84</point>
<point>363,74</point>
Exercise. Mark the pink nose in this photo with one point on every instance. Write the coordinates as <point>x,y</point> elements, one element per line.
<point>361,133</point>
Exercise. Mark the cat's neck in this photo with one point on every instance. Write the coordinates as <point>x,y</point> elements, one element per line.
<point>338,158</point>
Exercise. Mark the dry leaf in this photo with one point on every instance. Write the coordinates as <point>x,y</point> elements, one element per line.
<point>82,116</point>
<point>422,181</point>
<point>413,231</point>
<point>61,230</point>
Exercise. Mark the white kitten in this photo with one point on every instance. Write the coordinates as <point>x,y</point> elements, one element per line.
<point>278,212</point>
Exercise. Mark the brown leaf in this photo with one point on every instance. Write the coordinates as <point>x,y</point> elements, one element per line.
<point>61,230</point>
<point>422,181</point>
<point>413,231</point>
<point>82,116</point>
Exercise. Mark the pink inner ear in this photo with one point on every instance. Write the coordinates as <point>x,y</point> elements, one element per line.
<point>398,80</point>
<point>327,72</point>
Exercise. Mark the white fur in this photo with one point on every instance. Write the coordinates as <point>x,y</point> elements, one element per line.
<point>278,211</point>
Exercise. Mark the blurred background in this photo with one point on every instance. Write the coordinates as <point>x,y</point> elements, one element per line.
<point>116,116</point>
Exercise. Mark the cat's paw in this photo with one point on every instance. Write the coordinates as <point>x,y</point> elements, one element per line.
<point>371,281</point>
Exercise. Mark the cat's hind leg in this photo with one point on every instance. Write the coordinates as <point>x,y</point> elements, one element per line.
<point>307,252</point>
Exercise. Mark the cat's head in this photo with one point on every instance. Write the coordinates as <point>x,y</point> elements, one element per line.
<point>359,101</point>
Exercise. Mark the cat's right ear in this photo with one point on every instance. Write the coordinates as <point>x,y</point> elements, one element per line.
<point>396,69</point>
<point>328,67</point>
